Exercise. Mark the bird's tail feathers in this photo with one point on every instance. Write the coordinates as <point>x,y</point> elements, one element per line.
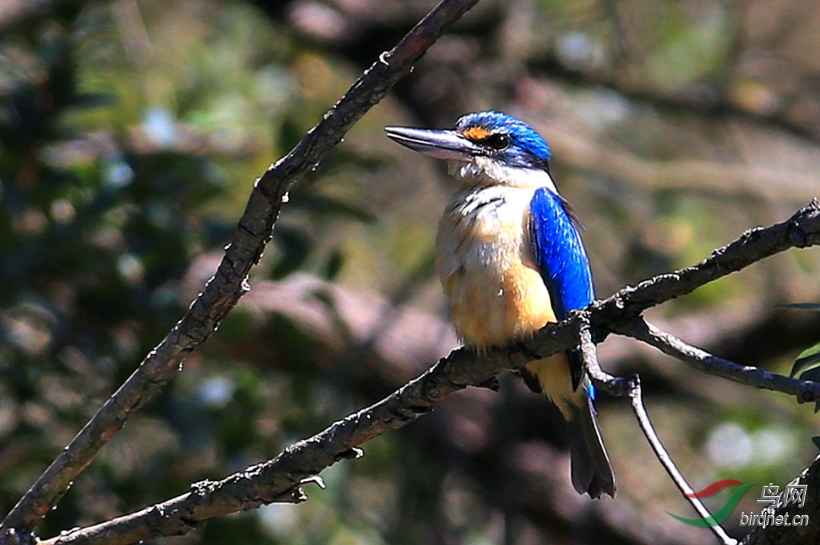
<point>591,469</point>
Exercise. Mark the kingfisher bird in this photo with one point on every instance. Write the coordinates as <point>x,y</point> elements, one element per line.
<point>510,260</point>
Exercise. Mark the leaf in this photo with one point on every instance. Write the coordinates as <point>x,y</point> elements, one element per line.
<point>807,364</point>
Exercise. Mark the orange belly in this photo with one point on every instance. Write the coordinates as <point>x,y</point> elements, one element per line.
<point>493,313</point>
<point>492,310</point>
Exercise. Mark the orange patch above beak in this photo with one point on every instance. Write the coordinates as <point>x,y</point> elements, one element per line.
<point>475,133</point>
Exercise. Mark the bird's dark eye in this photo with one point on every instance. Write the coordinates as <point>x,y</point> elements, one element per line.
<point>497,141</point>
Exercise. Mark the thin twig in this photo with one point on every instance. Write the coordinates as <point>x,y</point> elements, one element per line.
<point>804,390</point>
<point>614,386</point>
<point>666,461</point>
<point>223,291</point>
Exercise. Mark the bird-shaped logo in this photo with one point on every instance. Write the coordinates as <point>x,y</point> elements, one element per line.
<point>510,260</point>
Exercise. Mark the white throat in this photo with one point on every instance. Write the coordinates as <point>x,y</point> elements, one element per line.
<point>484,171</point>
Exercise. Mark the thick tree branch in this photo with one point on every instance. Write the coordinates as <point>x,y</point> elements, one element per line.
<point>279,479</point>
<point>229,283</point>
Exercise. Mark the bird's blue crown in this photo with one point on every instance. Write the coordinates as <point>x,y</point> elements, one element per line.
<point>510,139</point>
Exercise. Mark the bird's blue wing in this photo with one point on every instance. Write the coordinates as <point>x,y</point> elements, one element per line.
<point>559,253</point>
<point>561,259</point>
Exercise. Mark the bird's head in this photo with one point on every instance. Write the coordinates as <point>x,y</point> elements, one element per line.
<point>483,147</point>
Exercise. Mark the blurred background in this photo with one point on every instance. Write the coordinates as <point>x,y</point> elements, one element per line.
<point>131,132</point>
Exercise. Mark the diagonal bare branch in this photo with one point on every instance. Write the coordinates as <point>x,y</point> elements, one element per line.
<point>224,289</point>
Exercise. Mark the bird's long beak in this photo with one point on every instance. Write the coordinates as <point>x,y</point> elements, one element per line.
<point>436,143</point>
